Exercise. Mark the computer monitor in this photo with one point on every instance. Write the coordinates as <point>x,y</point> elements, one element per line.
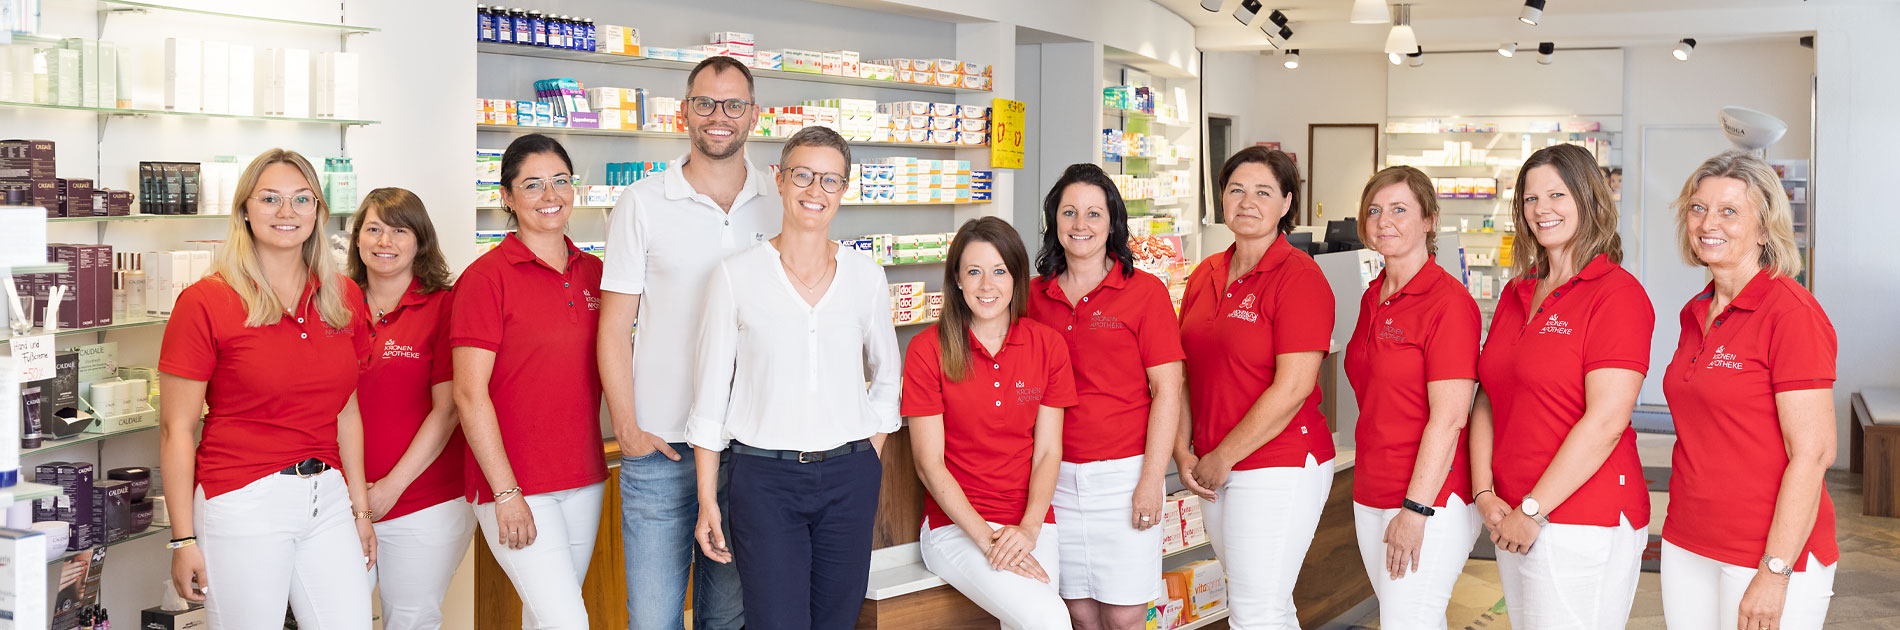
<point>1343,234</point>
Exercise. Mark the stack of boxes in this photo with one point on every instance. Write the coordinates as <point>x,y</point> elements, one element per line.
<point>732,44</point>
<point>618,40</point>
<point>1194,591</point>
<point>488,178</point>
<point>168,273</point>
<point>940,72</point>
<point>73,504</point>
<point>1466,187</point>
<point>27,179</point>
<point>858,120</point>
<point>566,103</point>
<point>1129,97</point>
<point>938,123</point>
<point>75,73</point>
<point>911,305</point>
<point>619,108</point>
<point>224,78</point>
<point>1181,524</point>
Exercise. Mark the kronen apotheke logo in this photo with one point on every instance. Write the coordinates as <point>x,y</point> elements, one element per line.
<point>393,350</point>
<point>1724,359</point>
<point>1555,326</point>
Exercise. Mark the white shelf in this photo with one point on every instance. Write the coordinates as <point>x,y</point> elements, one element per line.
<point>29,491</point>
<point>1184,550</point>
<point>583,131</point>
<point>1205,620</point>
<point>519,50</point>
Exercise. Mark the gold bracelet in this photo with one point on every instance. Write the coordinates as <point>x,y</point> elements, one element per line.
<point>505,495</point>
<point>366,514</point>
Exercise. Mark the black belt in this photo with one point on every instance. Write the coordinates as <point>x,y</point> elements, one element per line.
<point>803,457</point>
<point>306,468</point>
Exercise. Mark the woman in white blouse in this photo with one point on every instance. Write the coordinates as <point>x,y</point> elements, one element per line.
<point>792,324</point>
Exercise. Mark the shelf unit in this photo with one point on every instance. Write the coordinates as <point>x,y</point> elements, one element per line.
<point>150,531</point>
<point>117,324</point>
<point>133,111</point>
<point>518,50</point>
<point>1206,620</point>
<point>583,131</point>
<point>50,445</point>
<point>123,7</point>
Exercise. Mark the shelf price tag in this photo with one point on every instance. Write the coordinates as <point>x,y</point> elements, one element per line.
<point>1006,132</point>
<point>34,356</point>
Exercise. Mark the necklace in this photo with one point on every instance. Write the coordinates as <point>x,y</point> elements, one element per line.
<point>812,287</point>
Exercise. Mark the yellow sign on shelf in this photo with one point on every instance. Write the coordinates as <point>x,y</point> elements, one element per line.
<point>1504,249</point>
<point>1006,132</point>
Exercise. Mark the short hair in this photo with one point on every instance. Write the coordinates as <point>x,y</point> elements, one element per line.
<point>1596,211</point>
<point>822,137</point>
<point>1285,172</point>
<point>1782,254</point>
<point>721,63</point>
<point>1421,187</point>
<point>1052,260</point>
<point>953,329</point>
<point>1616,170</point>
<point>397,207</point>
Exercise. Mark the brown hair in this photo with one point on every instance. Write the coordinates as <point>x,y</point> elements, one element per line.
<point>721,63</point>
<point>1285,172</point>
<point>953,331</point>
<point>1596,211</point>
<point>1782,254</point>
<point>1421,187</point>
<point>399,208</point>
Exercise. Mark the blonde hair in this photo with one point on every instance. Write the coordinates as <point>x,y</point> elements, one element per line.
<point>237,262</point>
<point>1596,212</point>
<point>1421,187</point>
<point>1781,255</point>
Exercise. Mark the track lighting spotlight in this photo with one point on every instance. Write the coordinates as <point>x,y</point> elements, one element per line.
<point>1417,58</point>
<point>1246,11</point>
<point>1684,48</point>
<point>1532,12</point>
<point>1545,51</point>
<point>1211,5</point>
<point>1507,49</point>
<point>1278,18</point>
<point>1293,59</point>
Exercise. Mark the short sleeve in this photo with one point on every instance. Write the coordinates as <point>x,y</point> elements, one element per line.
<point>1303,314</point>
<point>359,322</point>
<point>1191,293</point>
<point>1451,350</point>
<point>1060,391</point>
<point>190,346</point>
<point>1619,331</point>
<point>1157,331</point>
<point>626,264</point>
<point>1801,350</point>
<point>923,376</point>
<point>443,369</point>
<point>477,319</point>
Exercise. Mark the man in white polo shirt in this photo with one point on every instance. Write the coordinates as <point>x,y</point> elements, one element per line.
<point>665,238</point>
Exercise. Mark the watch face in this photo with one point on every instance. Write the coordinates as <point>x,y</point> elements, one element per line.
<point>1530,507</point>
<point>1776,565</point>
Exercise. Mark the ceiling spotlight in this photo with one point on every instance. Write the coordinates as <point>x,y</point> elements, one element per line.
<point>1293,59</point>
<point>1533,11</point>
<point>1246,11</point>
<point>1545,51</point>
<point>1211,5</point>
<point>1807,41</point>
<point>1401,41</point>
<point>1278,18</point>
<point>1286,32</point>
<point>1417,58</point>
<point>1368,12</point>
<point>1507,48</point>
<point>1275,42</point>
<point>1684,48</point>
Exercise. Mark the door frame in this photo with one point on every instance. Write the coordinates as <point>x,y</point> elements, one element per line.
<point>1312,152</point>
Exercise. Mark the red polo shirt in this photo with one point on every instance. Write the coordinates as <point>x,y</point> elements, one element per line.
<point>1426,332</point>
<point>1534,373</point>
<point>409,354</point>
<point>1119,330</point>
<point>989,418</point>
<point>1721,386</point>
<point>274,391</point>
<point>1233,332</point>
<point>540,324</point>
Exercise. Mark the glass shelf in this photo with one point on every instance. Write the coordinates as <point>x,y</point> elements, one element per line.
<point>518,50</point>
<point>30,491</point>
<point>128,6</point>
<point>583,131</point>
<point>149,532</point>
<point>83,438</point>
<point>116,111</point>
<point>119,323</point>
<point>53,267</point>
<point>161,217</point>
<point>926,322</point>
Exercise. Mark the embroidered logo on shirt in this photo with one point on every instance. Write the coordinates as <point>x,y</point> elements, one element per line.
<point>1722,359</point>
<point>1555,326</point>
<point>392,350</point>
<point>1027,394</point>
<point>1098,321</point>
<point>1246,310</point>
<point>593,301</point>
<point>1391,333</point>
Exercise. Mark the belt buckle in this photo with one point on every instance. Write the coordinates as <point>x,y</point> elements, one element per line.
<point>807,457</point>
<point>301,475</point>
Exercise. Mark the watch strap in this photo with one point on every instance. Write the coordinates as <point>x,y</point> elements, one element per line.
<point>1419,507</point>
<point>1768,562</point>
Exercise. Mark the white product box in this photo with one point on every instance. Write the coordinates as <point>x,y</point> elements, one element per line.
<point>831,63</point>
<point>200,261</point>
<point>217,78</point>
<point>769,60</point>
<point>242,75</point>
<point>23,579</point>
<point>268,81</point>
<point>605,98</point>
<point>296,74</point>
<point>1208,585</point>
<point>66,87</point>
<point>339,95</point>
<point>184,74</point>
<point>108,75</point>
<point>729,37</point>
<point>89,72</point>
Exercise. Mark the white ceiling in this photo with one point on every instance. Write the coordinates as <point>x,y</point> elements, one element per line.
<point>1443,25</point>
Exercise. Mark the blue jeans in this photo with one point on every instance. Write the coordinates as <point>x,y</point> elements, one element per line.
<point>659,505</point>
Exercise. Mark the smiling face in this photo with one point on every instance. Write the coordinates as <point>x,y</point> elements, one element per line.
<point>1082,221</point>
<point>540,203</point>
<point>811,207</point>
<point>1549,207</point>
<point>1724,225</point>
<point>385,249</point>
<point>717,135</point>
<point>281,228</point>
<point>1396,222</point>
<point>1254,202</point>
<point>985,281</point>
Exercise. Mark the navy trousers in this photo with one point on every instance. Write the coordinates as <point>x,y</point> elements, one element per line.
<point>801,538</point>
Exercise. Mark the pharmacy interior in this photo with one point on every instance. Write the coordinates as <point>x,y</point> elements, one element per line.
<point>133,120</point>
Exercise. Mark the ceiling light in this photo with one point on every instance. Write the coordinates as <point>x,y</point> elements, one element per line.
<point>1684,48</point>
<point>1271,40</point>
<point>1417,58</point>
<point>1286,32</point>
<point>1246,11</point>
<point>1211,5</point>
<point>1401,40</point>
<point>1533,11</point>
<point>1368,12</point>
<point>1545,51</point>
<point>1395,58</point>
<point>1293,59</point>
<point>1507,48</point>
<point>1277,17</point>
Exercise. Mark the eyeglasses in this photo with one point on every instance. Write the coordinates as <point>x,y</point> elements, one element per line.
<point>704,105</point>
<point>536,186</point>
<point>301,203</point>
<point>803,177</point>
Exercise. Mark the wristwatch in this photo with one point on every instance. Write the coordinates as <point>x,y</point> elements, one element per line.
<point>1531,509</point>
<point>1777,566</point>
<point>1419,507</point>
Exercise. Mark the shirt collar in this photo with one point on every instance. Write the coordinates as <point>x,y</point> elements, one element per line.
<point>1277,253</point>
<point>517,252</point>
<point>677,187</point>
<point>1015,337</point>
<point>1421,282</point>
<point>1114,280</point>
<point>1751,296</point>
<point>1597,268</point>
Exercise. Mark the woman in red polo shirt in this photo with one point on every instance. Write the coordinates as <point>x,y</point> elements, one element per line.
<point>528,389</point>
<point>413,449</point>
<point>1559,373</point>
<point>1255,322</point>
<point>1116,441</point>
<point>272,343</point>
<point>985,390</point>
<point>1412,361</point>
<point>1749,542</point>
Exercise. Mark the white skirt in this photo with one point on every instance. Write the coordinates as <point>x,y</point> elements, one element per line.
<point>1104,557</point>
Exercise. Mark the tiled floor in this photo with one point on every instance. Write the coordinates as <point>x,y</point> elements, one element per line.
<point>1866,586</point>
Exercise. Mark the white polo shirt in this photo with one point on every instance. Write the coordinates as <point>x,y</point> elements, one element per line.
<point>663,241</point>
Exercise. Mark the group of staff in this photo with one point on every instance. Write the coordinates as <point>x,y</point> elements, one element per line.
<point>376,417</point>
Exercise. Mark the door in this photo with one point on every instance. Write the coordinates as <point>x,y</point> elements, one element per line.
<point>1342,158</point>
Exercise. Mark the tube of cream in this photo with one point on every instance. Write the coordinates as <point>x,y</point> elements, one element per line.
<point>9,422</point>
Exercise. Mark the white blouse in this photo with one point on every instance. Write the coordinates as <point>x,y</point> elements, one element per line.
<point>777,373</point>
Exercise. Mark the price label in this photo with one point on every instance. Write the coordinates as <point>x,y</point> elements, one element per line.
<point>1006,132</point>
<point>34,356</point>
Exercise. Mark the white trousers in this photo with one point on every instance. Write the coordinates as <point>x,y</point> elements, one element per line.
<point>1704,594</point>
<point>1261,526</point>
<point>283,537</point>
<point>1418,600</point>
<point>1104,558</point>
<point>416,556</point>
<point>1580,577</point>
<point>548,574</point>
<point>1019,602</point>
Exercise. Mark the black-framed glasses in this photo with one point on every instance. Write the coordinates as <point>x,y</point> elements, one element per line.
<point>704,105</point>
<point>301,203</point>
<point>829,182</point>
<point>535,186</point>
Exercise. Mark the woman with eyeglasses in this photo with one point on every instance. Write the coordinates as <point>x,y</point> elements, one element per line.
<point>272,342</point>
<point>528,389</point>
<point>792,327</point>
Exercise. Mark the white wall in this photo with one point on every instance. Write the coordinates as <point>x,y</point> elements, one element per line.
<point>1161,35</point>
